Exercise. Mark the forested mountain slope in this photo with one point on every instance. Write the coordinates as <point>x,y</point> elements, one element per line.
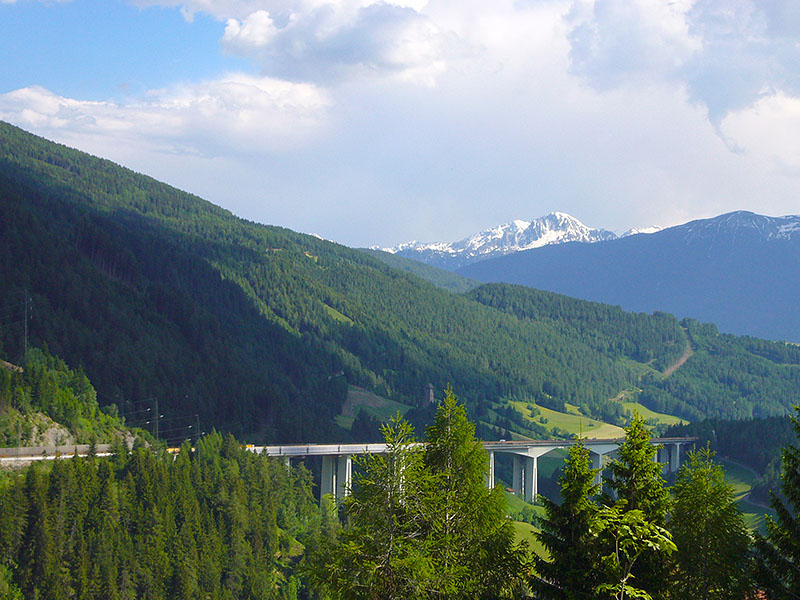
<point>726,376</point>
<point>157,293</point>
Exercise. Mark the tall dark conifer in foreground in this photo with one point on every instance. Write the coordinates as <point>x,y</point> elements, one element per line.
<point>471,539</point>
<point>570,573</point>
<point>638,485</point>
<point>421,523</point>
<point>778,554</point>
<point>708,528</point>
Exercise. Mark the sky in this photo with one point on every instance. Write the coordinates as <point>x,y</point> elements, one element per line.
<point>378,122</point>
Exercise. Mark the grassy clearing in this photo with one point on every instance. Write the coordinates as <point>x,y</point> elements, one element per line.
<point>336,315</point>
<point>742,480</point>
<point>375,406</point>
<point>572,422</point>
<point>648,414</point>
<point>526,531</point>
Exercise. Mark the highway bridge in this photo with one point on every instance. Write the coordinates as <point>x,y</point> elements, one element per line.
<point>337,463</point>
<point>337,459</point>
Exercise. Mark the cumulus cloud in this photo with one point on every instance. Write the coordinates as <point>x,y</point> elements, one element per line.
<point>225,115</point>
<point>616,41</point>
<point>326,42</point>
<point>727,52</point>
<point>769,131</point>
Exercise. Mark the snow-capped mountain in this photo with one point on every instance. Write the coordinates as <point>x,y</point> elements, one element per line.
<point>555,228</point>
<point>740,271</point>
<point>741,223</point>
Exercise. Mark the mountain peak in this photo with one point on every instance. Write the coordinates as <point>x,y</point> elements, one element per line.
<point>517,235</point>
<point>744,222</point>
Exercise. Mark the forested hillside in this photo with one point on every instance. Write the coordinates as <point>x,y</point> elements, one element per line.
<point>725,377</point>
<point>755,443</point>
<point>216,522</point>
<point>46,403</point>
<point>156,293</point>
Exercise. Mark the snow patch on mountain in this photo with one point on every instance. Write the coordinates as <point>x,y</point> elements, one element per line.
<point>518,235</point>
<point>641,230</point>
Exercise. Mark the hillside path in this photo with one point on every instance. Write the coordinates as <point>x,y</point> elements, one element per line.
<point>679,363</point>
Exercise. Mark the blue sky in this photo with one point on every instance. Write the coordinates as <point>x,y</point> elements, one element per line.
<point>380,122</point>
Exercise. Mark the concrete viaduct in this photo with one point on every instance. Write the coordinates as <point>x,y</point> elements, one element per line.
<point>337,463</point>
<point>337,459</point>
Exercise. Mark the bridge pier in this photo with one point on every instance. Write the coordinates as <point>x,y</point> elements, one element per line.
<point>674,456</point>
<point>337,475</point>
<point>525,471</point>
<point>344,476</point>
<point>597,452</point>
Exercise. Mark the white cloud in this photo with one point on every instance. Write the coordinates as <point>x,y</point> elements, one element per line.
<point>316,41</point>
<point>616,41</point>
<point>727,52</point>
<point>769,131</point>
<point>598,108</point>
<point>329,40</point>
<point>228,115</point>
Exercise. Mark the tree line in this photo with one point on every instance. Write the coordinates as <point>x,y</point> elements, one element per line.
<point>410,531</point>
<point>220,522</point>
<point>213,522</point>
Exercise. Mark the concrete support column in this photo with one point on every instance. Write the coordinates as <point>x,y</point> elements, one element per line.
<point>490,476</point>
<point>597,464</point>
<point>344,476</point>
<point>518,474</point>
<point>288,462</point>
<point>328,483</point>
<point>530,482</point>
<point>674,457</point>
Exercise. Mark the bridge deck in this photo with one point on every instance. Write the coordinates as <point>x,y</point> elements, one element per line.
<point>498,446</point>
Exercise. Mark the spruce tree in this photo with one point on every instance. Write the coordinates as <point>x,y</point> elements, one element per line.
<point>570,573</point>
<point>422,523</point>
<point>636,475</point>
<point>380,552</point>
<point>637,484</point>
<point>778,554</point>
<point>710,533</point>
<point>469,537</point>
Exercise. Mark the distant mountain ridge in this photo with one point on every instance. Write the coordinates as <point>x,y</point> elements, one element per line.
<point>739,270</point>
<point>516,236</point>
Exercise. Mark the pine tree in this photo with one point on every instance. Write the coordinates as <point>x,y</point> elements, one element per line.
<point>422,524</point>
<point>570,572</point>
<point>778,554</point>
<point>710,532</point>
<point>380,552</point>
<point>636,475</point>
<point>638,485</point>
<point>470,539</point>
<point>8,591</point>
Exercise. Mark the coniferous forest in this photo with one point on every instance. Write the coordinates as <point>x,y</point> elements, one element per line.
<point>213,522</point>
<point>217,521</point>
